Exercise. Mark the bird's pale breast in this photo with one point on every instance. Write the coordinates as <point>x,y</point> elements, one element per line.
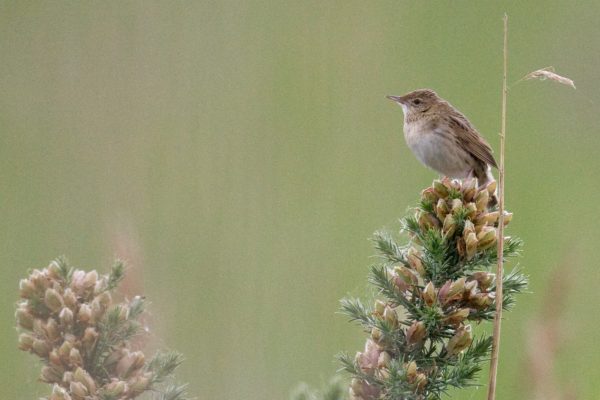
<point>435,147</point>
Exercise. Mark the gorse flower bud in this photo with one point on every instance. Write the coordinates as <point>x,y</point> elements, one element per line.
<point>66,316</point>
<point>406,275</point>
<point>41,347</point>
<point>429,294</point>
<point>483,278</point>
<point>68,319</point>
<point>89,281</point>
<point>460,341</point>
<point>414,260</point>
<point>440,189</point>
<point>379,307</point>
<point>85,313</point>
<point>486,238</point>
<point>51,374</point>
<point>376,335</point>
<point>428,221</point>
<point>415,333</point>
<point>449,225</point>
<point>115,389</point>
<point>390,316</point>
<point>70,298</point>
<point>75,357</point>
<point>384,360</point>
<point>482,200</point>
<point>24,318</point>
<point>471,243</point>
<point>78,390</point>
<point>441,208</point>
<point>26,288</point>
<point>457,316</point>
<point>51,329</point>
<point>59,393</point>
<point>25,341</point>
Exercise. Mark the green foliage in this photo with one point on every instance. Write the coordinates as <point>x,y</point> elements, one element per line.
<point>117,274</point>
<point>163,365</point>
<point>173,392</point>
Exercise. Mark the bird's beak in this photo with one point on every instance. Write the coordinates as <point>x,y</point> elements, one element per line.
<point>397,99</point>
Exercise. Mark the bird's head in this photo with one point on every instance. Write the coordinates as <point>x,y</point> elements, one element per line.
<point>417,101</point>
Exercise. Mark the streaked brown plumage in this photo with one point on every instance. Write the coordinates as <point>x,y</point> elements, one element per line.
<point>443,139</point>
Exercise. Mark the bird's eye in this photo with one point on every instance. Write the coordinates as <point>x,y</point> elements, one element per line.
<point>416,102</point>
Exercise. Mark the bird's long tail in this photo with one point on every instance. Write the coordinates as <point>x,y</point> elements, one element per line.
<point>484,177</point>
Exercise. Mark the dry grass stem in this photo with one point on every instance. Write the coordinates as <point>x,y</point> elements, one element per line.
<point>548,73</point>
<point>500,269</point>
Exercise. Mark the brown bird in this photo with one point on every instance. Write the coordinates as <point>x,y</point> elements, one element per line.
<point>443,139</point>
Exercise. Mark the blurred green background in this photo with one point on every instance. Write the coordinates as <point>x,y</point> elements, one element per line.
<point>241,153</point>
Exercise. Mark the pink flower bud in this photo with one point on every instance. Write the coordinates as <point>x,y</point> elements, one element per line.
<point>58,393</point>
<point>457,316</point>
<point>53,270</point>
<point>25,341</point>
<point>449,225</point>
<point>69,298</point>
<point>89,338</point>
<point>89,281</point>
<point>471,243</point>
<point>53,300</point>
<point>80,375</point>
<point>41,347</point>
<point>457,288</point>
<point>390,316</point>
<point>406,275</point>
<point>483,278</point>
<point>487,237</point>
<point>428,221</point>
<point>64,351</point>
<point>115,388</point>
<point>460,341</point>
<point>416,333</point>
<point>441,209</point>
<point>429,195</point>
<point>24,317</point>
<point>491,187</point>
<point>469,189</point>
<point>411,370</point>
<point>139,383</point>
<point>51,330</point>
<point>51,374</point>
<point>85,313</point>
<point>78,389</point>
<point>26,288</point>
<point>440,189</point>
<point>471,210</point>
<point>379,308</point>
<point>482,200</point>
<point>384,360</point>
<point>66,316</point>
<point>428,294</point>
<point>75,357</point>
<point>456,205</point>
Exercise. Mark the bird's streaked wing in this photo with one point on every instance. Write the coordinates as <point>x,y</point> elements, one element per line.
<point>472,141</point>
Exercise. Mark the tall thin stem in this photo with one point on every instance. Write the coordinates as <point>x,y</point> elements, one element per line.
<point>499,271</point>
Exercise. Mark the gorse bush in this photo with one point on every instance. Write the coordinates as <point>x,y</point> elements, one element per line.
<point>68,319</point>
<point>421,341</point>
